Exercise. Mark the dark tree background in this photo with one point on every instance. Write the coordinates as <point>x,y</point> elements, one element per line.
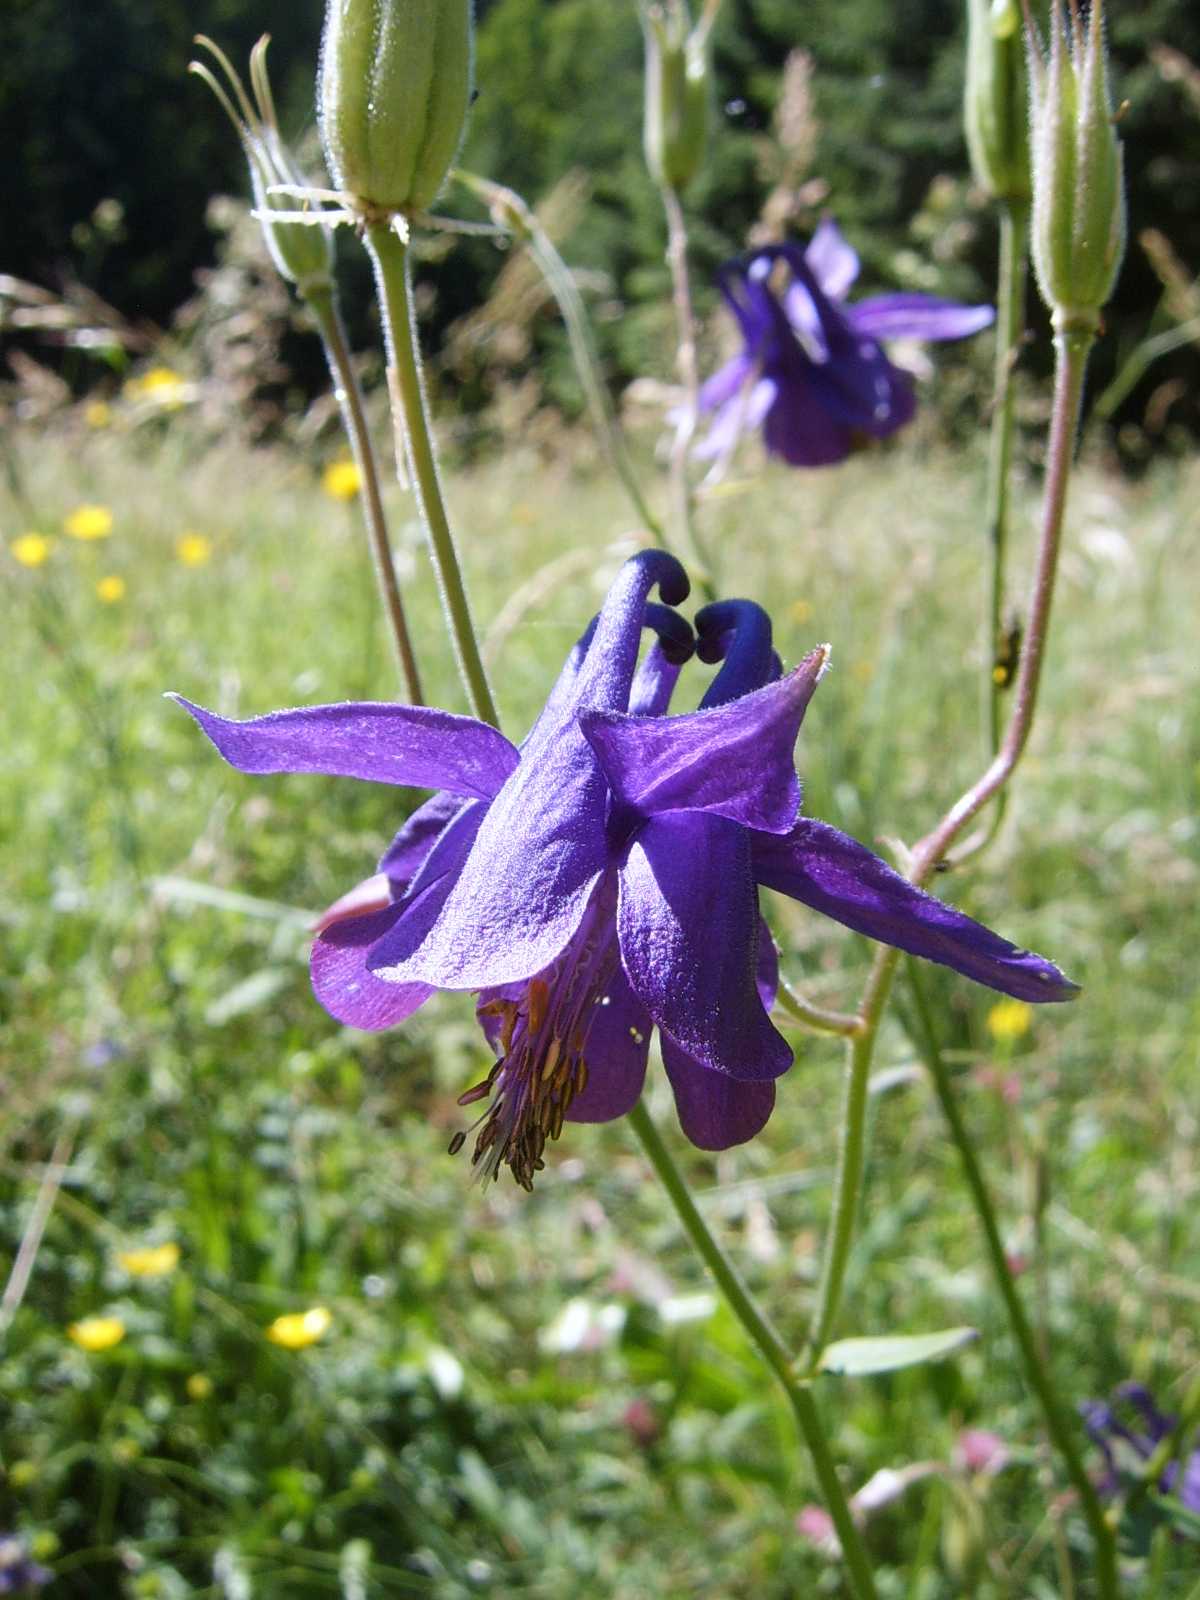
<point>95,102</point>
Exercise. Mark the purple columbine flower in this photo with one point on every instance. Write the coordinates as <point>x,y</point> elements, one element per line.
<point>812,371</point>
<point>1127,1448</point>
<point>603,879</point>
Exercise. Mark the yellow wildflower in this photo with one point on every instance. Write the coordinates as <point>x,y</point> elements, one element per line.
<point>800,611</point>
<point>299,1329</point>
<point>97,414</point>
<point>31,549</point>
<point>341,480</point>
<point>152,1261</point>
<point>89,522</point>
<point>1009,1020</point>
<point>96,1333</point>
<point>193,549</point>
<point>110,589</point>
<point>199,1386</point>
<point>161,385</point>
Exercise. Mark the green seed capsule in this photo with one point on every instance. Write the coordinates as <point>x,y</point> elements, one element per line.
<point>302,252</point>
<point>1078,234</point>
<point>677,94</point>
<point>394,88</point>
<point>995,103</point>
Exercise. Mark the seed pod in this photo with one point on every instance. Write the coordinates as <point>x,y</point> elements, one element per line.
<point>995,111</point>
<point>302,252</point>
<point>677,94</point>
<point>1078,234</point>
<point>393,90</point>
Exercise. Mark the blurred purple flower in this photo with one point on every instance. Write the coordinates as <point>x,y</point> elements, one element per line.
<point>603,879</point>
<point>811,370</point>
<point>1127,1448</point>
<point>18,1573</point>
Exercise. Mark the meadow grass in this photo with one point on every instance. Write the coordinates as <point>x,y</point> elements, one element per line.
<point>453,1432</point>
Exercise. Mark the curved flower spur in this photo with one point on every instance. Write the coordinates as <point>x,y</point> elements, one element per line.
<point>811,371</point>
<point>603,879</point>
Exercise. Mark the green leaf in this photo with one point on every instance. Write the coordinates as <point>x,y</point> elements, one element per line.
<point>855,1358</point>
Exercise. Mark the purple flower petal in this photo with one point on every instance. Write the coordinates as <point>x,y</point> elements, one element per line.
<point>743,414</point>
<point>392,957</point>
<point>844,880</point>
<point>715,1110</point>
<point>866,391</point>
<point>403,857</point>
<point>654,684</point>
<point>1187,1492</point>
<point>372,894</point>
<point>726,384</point>
<point>916,316</point>
<point>616,1048</point>
<point>832,262</point>
<point>542,847</point>
<point>734,760</point>
<point>688,924</point>
<point>346,988</point>
<point>799,428</point>
<point>409,745</point>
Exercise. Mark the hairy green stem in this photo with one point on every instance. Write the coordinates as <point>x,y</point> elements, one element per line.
<point>1010,328</point>
<point>1057,1424</point>
<point>847,1186</point>
<point>518,218</point>
<point>348,391</point>
<point>682,498</point>
<point>389,255</point>
<point>768,1343</point>
<point>1072,345</point>
<point>815,1017</point>
<point>1072,348</point>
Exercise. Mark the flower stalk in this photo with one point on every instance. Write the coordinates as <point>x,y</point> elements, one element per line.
<point>1010,327</point>
<point>683,503</point>
<point>1038,1377</point>
<point>389,256</point>
<point>323,304</point>
<point>302,251</point>
<point>770,1346</point>
<point>1073,343</point>
<point>816,1018</point>
<point>851,1159</point>
<point>518,219</point>
<point>1072,350</point>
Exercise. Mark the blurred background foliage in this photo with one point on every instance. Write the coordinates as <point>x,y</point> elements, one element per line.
<point>102,110</point>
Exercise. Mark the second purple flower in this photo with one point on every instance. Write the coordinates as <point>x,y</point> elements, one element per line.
<point>812,372</point>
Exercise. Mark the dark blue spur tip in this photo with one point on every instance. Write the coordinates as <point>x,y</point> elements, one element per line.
<point>737,632</point>
<point>666,571</point>
<point>674,632</point>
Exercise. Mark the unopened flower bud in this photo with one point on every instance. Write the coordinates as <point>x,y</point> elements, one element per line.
<point>394,88</point>
<point>994,106</point>
<point>302,252</point>
<point>677,92</point>
<point>1078,184</point>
